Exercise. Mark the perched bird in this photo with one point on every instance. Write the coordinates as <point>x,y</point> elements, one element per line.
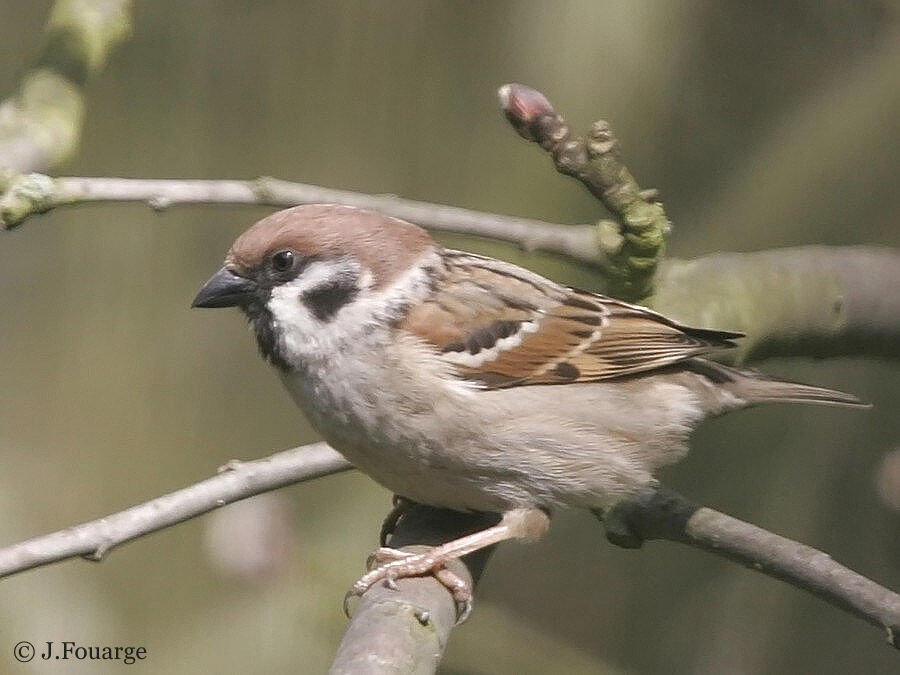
<point>465,382</point>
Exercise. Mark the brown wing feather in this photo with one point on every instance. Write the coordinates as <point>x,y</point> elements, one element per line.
<point>502,326</point>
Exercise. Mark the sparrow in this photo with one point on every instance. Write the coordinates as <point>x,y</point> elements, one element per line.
<point>469,383</point>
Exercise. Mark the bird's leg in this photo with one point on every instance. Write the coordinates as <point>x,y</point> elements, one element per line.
<point>391,564</point>
<point>400,506</point>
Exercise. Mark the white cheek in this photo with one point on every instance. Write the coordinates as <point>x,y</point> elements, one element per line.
<point>305,339</point>
<point>292,321</point>
<point>300,332</point>
<point>302,335</point>
<point>286,303</point>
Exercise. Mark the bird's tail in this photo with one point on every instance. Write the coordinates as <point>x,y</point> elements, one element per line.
<point>752,387</point>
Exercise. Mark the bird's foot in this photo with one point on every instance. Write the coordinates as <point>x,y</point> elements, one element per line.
<point>387,565</point>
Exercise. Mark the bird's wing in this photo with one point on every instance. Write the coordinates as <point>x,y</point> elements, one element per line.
<point>501,326</point>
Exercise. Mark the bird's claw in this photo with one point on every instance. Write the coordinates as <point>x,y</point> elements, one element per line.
<point>387,565</point>
<point>400,506</point>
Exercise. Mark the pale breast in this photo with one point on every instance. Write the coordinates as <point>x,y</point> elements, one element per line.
<point>427,437</point>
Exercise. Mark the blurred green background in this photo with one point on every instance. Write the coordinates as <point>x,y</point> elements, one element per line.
<point>763,124</point>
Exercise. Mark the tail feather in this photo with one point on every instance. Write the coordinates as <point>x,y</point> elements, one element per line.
<point>766,390</point>
<point>754,387</point>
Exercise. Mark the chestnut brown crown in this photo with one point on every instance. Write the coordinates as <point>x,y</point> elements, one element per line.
<point>383,245</point>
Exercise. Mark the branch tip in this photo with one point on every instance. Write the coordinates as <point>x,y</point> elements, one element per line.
<point>526,109</point>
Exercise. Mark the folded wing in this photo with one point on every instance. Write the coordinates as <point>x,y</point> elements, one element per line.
<point>503,326</point>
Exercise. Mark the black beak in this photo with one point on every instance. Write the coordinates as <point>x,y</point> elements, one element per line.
<point>225,289</point>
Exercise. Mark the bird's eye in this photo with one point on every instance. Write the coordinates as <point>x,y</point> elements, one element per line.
<point>283,261</point>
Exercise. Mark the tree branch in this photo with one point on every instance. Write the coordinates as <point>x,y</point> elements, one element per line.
<point>406,630</point>
<point>236,481</point>
<point>634,244</point>
<point>22,196</point>
<point>663,514</point>
<point>40,124</point>
<point>804,301</point>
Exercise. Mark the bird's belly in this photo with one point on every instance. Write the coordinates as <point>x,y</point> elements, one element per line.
<point>495,450</point>
<point>405,445</point>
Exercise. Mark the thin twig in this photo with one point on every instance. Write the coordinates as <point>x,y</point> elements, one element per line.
<point>663,514</point>
<point>22,196</point>
<point>236,481</point>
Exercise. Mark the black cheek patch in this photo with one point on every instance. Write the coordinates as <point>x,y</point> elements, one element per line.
<point>324,301</point>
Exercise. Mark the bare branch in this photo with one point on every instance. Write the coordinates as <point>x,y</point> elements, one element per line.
<point>26,195</point>
<point>236,481</point>
<point>40,124</point>
<point>663,514</point>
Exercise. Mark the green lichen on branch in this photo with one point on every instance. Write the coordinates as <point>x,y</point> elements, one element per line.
<point>23,195</point>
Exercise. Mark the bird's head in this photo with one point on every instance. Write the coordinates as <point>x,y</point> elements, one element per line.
<point>311,277</point>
